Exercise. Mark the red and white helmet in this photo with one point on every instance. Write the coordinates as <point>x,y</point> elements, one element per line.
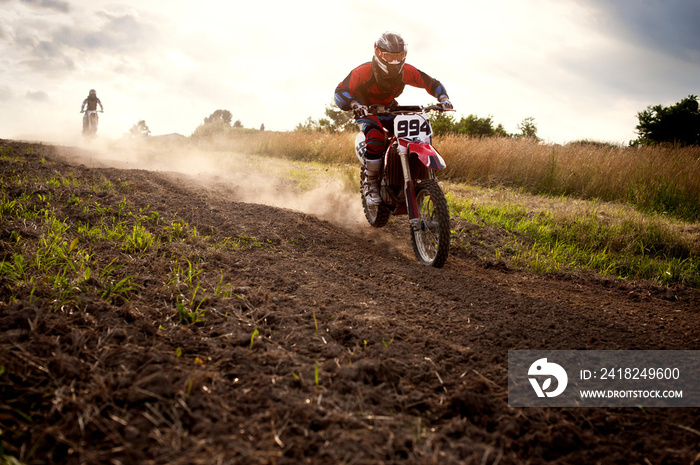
<point>389,56</point>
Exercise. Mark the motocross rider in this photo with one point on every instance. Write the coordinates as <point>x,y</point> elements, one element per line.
<point>91,102</point>
<point>379,82</point>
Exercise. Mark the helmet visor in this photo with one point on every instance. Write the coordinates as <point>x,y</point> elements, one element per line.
<point>392,57</point>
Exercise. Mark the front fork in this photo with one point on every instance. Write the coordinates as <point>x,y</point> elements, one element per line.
<point>409,189</point>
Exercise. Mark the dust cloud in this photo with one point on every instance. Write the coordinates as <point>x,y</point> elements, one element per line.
<point>321,192</point>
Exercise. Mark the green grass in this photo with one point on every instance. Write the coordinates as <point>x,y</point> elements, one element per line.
<point>555,234</point>
<point>186,283</point>
<point>52,257</point>
<point>56,263</point>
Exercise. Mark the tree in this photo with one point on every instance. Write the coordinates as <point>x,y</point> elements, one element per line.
<point>139,129</point>
<point>308,125</point>
<point>442,123</point>
<point>679,123</point>
<point>218,123</point>
<point>472,125</point>
<point>219,115</point>
<point>528,128</point>
<point>337,121</point>
<point>238,124</point>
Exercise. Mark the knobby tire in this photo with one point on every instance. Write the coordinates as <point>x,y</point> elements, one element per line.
<point>431,243</point>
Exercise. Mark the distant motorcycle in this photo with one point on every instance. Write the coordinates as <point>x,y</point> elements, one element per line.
<point>90,129</point>
<point>408,184</point>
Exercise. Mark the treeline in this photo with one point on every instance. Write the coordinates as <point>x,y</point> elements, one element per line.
<point>678,124</point>
<point>445,123</point>
<point>217,123</point>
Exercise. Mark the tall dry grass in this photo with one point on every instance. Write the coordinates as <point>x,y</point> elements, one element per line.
<point>296,145</point>
<point>659,179</point>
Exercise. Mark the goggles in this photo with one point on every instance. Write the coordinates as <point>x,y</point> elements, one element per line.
<point>391,57</point>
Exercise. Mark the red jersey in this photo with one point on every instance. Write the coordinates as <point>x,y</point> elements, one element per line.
<point>361,85</point>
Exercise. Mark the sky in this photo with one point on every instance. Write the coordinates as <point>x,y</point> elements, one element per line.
<point>582,69</point>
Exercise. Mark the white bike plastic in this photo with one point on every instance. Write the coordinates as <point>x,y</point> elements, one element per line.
<point>414,127</point>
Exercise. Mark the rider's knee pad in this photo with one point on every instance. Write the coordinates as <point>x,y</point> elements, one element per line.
<point>376,142</point>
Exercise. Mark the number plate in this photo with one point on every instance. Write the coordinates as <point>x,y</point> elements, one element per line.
<point>414,127</point>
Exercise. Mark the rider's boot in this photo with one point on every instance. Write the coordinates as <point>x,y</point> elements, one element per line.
<point>372,169</point>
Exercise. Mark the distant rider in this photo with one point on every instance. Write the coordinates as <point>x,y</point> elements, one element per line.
<point>380,82</point>
<point>91,102</point>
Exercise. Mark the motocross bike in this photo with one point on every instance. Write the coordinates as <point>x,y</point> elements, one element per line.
<point>92,120</point>
<point>408,184</point>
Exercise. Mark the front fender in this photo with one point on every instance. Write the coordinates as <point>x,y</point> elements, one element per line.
<point>426,154</point>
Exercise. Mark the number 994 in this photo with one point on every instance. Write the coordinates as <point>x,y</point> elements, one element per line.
<point>412,127</point>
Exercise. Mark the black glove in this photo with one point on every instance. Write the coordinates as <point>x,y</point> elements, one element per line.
<point>359,110</point>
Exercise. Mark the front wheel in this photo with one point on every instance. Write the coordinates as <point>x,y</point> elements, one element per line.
<point>431,235</point>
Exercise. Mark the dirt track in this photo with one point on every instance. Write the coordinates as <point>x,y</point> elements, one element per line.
<point>362,355</point>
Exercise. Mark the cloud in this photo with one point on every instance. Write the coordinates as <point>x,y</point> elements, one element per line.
<point>640,52</point>
<point>56,5</point>
<point>120,33</point>
<point>45,56</point>
<point>5,94</point>
<point>39,96</point>
<point>62,7</point>
<point>581,69</point>
<point>57,46</point>
<point>669,27</point>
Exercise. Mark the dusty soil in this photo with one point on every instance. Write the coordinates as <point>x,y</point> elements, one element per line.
<point>337,346</point>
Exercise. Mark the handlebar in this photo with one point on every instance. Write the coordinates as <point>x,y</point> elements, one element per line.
<point>403,109</point>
